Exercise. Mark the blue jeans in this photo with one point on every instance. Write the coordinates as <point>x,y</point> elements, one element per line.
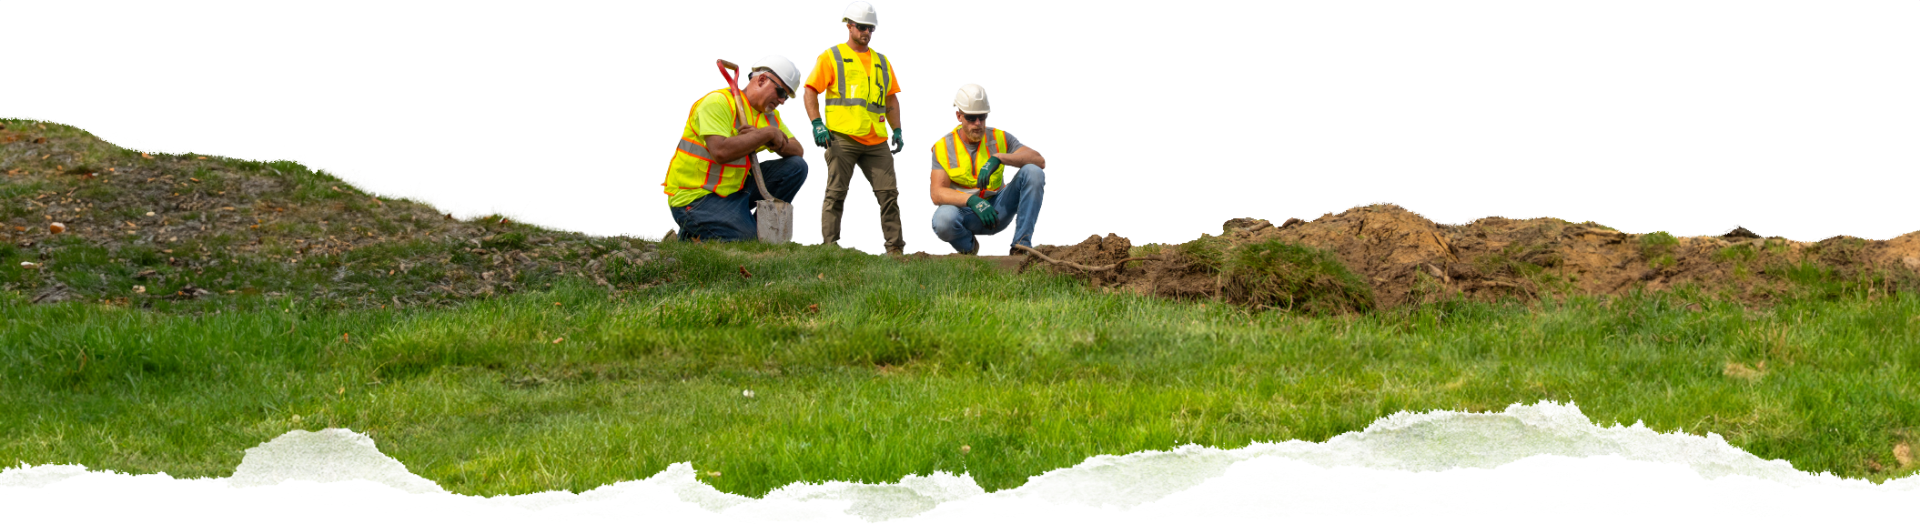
<point>1018,200</point>
<point>714,218</point>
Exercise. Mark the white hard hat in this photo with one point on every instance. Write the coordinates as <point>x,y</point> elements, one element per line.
<point>972,100</point>
<point>780,67</point>
<point>860,13</point>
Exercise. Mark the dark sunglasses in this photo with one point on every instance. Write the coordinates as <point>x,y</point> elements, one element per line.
<point>975,118</point>
<point>864,28</point>
<point>784,93</point>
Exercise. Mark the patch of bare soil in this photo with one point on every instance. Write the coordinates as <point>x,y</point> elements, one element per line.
<point>1408,259</point>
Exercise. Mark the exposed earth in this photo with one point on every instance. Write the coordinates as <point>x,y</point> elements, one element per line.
<point>1409,259</point>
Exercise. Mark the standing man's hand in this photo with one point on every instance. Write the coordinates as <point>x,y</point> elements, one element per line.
<point>820,132</point>
<point>898,143</point>
<point>983,209</point>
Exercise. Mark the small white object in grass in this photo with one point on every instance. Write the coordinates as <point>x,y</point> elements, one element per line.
<point>139,290</point>
<point>57,228</point>
<point>29,265</point>
<point>149,213</point>
<point>747,393</point>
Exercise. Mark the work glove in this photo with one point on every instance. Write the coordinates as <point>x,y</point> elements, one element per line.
<point>986,171</point>
<point>898,143</point>
<point>819,133</point>
<point>984,210</point>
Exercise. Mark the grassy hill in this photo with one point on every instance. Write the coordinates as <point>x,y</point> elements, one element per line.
<point>596,360</point>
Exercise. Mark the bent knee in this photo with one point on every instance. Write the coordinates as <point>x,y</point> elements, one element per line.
<point>1033,174</point>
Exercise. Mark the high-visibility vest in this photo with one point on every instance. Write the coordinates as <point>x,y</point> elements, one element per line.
<point>693,172</point>
<point>858,97</point>
<point>965,170</point>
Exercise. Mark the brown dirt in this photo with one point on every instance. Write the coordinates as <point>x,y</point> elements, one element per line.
<point>1409,259</point>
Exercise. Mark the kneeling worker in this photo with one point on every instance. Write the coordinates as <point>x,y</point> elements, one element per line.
<point>709,186</point>
<point>968,184</point>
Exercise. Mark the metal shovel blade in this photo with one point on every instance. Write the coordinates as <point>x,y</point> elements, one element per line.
<point>775,219</point>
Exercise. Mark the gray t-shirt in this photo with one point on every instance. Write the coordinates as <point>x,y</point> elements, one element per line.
<point>1013,144</point>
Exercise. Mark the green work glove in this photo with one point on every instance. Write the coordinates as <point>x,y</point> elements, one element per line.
<point>984,210</point>
<point>819,133</point>
<point>898,143</point>
<point>986,172</point>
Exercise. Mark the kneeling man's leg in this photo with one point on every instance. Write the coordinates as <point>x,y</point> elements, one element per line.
<point>950,224</point>
<point>715,219</point>
<point>1020,199</point>
<point>784,178</point>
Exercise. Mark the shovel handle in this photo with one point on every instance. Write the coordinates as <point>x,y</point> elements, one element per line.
<point>731,72</point>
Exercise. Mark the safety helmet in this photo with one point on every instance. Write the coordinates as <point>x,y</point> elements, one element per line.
<point>780,67</point>
<point>860,13</point>
<point>972,100</point>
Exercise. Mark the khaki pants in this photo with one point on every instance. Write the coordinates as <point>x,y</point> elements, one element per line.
<point>876,162</point>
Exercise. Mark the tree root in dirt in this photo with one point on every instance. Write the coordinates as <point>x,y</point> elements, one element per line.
<point>1082,267</point>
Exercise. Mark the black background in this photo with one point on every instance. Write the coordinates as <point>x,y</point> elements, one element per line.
<point>1158,121</point>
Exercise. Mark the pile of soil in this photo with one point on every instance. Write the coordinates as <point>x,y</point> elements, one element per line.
<point>1409,259</point>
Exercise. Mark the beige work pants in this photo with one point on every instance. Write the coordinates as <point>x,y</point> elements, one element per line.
<point>876,163</point>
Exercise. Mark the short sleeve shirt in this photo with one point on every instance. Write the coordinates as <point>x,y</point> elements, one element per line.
<point>712,117</point>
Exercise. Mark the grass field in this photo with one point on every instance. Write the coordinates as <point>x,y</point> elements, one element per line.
<point>869,368</point>
<point>365,340</point>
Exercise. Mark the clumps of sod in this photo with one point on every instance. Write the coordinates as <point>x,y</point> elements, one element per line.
<point>1279,275</point>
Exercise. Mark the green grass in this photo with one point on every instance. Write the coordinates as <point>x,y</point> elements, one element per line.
<point>867,368</point>
<point>1657,247</point>
<point>1296,278</point>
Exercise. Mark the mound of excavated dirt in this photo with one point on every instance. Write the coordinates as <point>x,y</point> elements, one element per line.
<point>1409,259</point>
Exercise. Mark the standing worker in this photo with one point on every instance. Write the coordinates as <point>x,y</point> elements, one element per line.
<point>708,181</point>
<point>861,105</point>
<point>968,185</point>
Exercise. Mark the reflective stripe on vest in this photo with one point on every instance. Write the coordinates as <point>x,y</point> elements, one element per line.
<point>714,169</point>
<point>967,175</point>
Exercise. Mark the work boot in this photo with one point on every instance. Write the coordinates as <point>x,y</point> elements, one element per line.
<point>972,252</point>
<point>896,251</point>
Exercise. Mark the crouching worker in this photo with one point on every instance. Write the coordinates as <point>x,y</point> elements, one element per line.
<point>709,187</point>
<point>969,186</point>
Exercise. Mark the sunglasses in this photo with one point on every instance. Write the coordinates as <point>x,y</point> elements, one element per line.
<point>864,28</point>
<point>975,118</point>
<point>784,93</point>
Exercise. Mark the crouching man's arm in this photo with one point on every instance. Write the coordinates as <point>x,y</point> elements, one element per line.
<point>1020,157</point>
<point>943,192</point>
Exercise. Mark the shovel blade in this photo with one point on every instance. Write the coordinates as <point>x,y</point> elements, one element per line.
<point>775,220</point>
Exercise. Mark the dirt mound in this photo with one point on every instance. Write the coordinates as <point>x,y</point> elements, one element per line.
<point>1408,259</point>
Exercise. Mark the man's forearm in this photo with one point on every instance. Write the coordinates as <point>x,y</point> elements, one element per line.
<point>893,111</point>
<point>813,104</point>
<point>1024,156</point>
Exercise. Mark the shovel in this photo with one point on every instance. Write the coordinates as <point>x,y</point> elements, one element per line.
<point>773,216</point>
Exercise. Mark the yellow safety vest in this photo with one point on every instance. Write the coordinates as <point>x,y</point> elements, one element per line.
<point>950,151</point>
<point>858,97</point>
<point>694,172</point>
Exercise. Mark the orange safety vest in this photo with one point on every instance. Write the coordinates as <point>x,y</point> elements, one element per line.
<point>950,152</point>
<point>693,172</point>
